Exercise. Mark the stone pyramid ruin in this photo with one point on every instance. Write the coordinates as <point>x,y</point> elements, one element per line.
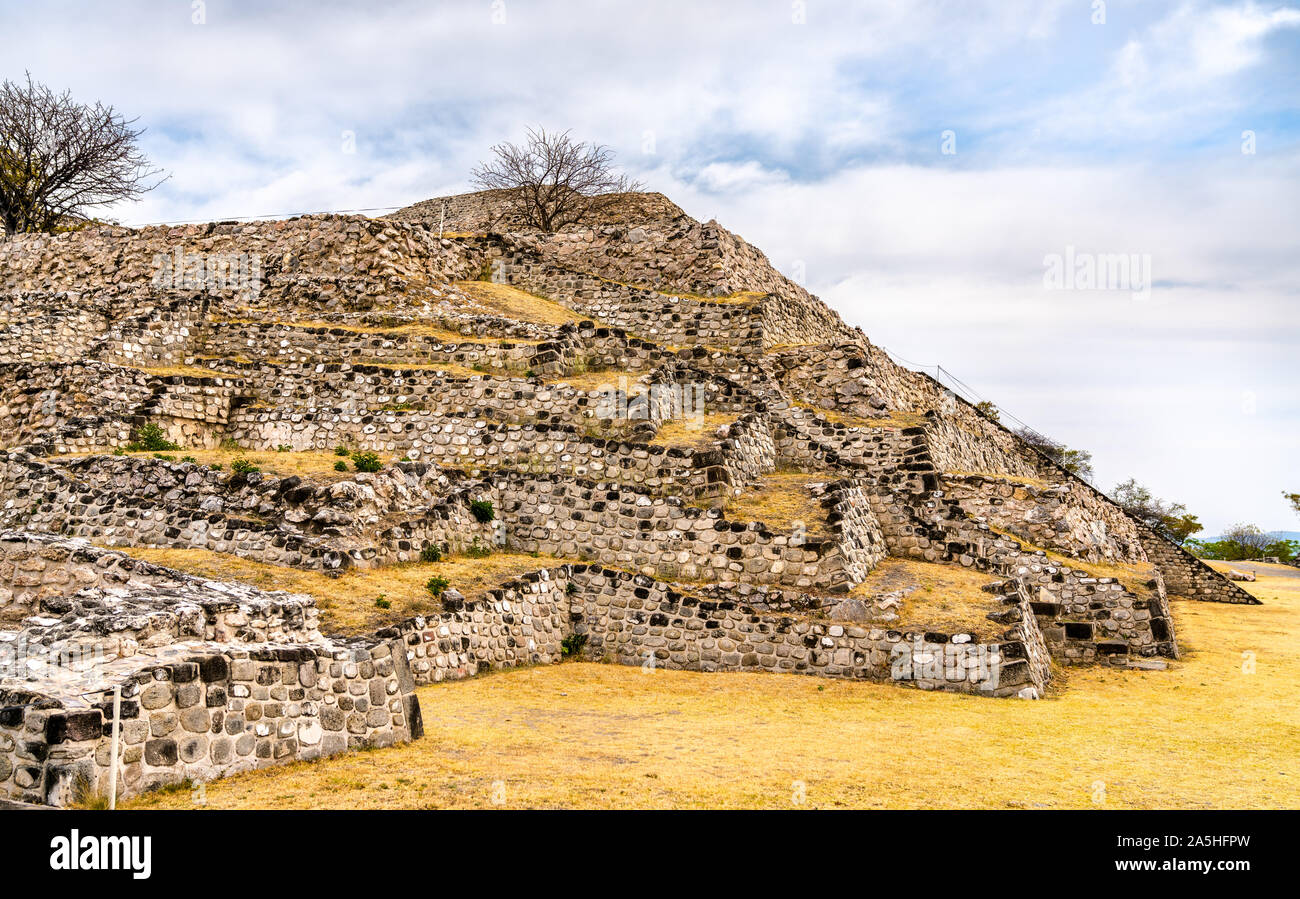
<point>665,452</point>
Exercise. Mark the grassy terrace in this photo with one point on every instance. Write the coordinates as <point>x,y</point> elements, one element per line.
<point>944,598</point>
<point>311,465</point>
<point>513,303</point>
<point>348,602</point>
<point>697,431</point>
<point>590,381</point>
<point>781,501</point>
<point>605,736</point>
<point>414,329</point>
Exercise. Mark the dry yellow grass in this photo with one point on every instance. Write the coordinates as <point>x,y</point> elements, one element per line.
<point>946,598</point>
<point>781,501</point>
<point>315,466</point>
<point>698,431</point>
<point>192,371</point>
<point>1204,734</point>
<point>347,602</point>
<point>836,417</point>
<point>517,304</point>
<point>601,380</point>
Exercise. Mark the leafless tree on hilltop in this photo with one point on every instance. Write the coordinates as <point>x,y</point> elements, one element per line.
<point>559,181</point>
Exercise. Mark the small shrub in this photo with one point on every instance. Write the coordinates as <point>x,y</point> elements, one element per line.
<point>342,450</point>
<point>478,550</point>
<point>216,466</point>
<point>118,451</point>
<point>430,553</point>
<point>382,603</point>
<point>243,466</point>
<point>570,588</point>
<point>151,438</point>
<point>340,465</point>
<point>572,645</point>
<point>366,461</point>
<point>482,510</point>
<point>189,459</point>
<point>164,457</point>
<point>437,585</point>
<point>284,448</point>
<point>85,796</point>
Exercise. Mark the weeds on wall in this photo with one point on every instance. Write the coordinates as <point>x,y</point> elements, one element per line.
<point>150,437</point>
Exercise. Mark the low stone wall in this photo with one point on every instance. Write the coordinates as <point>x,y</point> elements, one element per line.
<point>40,326</point>
<point>630,620</point>
<point>206,712</point>
<point>637,620</point>
<point>216,678</point>
<point>1187,576</point>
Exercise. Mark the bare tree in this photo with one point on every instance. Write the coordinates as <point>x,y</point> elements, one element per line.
<point>559,181</point>
<point>1248,535</point>
<point>1077,462</point>
<point>60,158</point>
<point>1167,518</point>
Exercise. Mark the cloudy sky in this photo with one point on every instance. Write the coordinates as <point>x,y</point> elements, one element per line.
<point>917,164</point>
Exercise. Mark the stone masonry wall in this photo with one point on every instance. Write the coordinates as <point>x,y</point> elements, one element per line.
<point>207,712</point>
<point>628,618</point>
<point>1058,516</point>
<point>1187,576</point>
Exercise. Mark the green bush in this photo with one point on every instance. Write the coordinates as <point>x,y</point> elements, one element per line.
<point>382,603</point>
<point>430,553</point>
<point>284,448</point>
<point>243,466</point>
<point>342,450</point>
<point>340,465</point>
<point>572,645</point>
<point>366,461</point>
<point>437,585</point>
<point>150,437</point>
<point>478,550</point>
<point>482,510</point>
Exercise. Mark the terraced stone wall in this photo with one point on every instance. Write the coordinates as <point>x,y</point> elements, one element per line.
<point>663,318</point>
<point>1063,517</point>
<point>1187,576</point>
<point>308,264</point>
